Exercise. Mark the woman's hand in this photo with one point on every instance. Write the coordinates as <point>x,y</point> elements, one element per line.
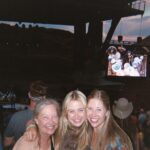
<point>31,132</point>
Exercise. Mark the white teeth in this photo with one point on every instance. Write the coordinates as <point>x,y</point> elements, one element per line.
<point>50,127</point>
<point>77,120</point>
<point>93,120</point>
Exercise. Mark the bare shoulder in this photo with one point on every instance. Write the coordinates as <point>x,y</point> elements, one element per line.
<point>23,144</point>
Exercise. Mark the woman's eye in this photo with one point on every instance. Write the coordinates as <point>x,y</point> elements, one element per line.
<point>70,111</point>
<point>45,117</point>
<point>81,110</point>
<point>98,109</point>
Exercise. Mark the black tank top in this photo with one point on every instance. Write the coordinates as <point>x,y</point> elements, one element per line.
<point>52,144</point>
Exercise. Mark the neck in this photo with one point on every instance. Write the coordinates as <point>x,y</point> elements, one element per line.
<point>45,142</point>
<point>97,135</point>
<point>32,105</point>
<point>94,140</point>
<point>99,128</point>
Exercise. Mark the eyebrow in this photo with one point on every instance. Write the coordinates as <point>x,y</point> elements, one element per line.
<point>74,109</point>
<point>92,107</point>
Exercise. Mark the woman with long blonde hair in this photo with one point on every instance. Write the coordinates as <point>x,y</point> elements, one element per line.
<point>105,133</point>
<point>72,132</point>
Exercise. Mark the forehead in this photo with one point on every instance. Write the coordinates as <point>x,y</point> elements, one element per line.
<point>94,102</point>
<point>74,103</point>
<point>48,109</point>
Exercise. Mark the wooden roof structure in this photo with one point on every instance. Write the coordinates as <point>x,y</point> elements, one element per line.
<point>67,12</point>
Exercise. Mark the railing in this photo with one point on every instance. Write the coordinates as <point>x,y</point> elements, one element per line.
<point>139,5</point>
<point>115,42</point>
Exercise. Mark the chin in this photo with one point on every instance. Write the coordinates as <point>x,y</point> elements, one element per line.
<point>94,125</point>
<point>77,124</point>
<point>50,132</point>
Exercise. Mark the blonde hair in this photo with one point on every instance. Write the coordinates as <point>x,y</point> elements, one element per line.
<point>110,131</point>
<point>65,124</point>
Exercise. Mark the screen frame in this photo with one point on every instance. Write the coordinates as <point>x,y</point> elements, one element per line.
<point>113,76</point>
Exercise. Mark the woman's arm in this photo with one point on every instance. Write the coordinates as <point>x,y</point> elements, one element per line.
<point>31,131</point>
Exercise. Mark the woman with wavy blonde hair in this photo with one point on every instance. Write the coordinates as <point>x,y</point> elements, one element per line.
<point>72,133</point>
<point>105,133</point>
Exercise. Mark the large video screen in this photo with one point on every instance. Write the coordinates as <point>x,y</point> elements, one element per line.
<point>126,63</point>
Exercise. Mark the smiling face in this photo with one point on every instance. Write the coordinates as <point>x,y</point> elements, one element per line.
<point>76,113</point>
<point>96,112</point>
<point>47,120</point>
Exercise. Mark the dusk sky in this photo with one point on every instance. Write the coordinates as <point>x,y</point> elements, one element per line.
<point>132,27</point>
<point>129,27</point>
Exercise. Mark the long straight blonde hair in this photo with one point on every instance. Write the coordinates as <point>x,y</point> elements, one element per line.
<point>110,131</point>
<point>65,125</point>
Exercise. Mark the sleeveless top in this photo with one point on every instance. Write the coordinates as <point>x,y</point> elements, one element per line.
<point>52,145</point>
